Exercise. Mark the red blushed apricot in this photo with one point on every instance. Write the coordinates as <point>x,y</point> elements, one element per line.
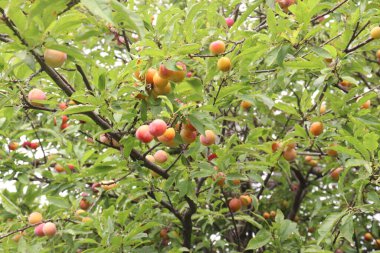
<point>35,95</point>
<point>220,178</point>
<point>224,64</point>
<point>336,173</point>
<point>290,154</point>
<point>84,204</point>
<point>378,54</point>
<point>161,156</point>
<point>71,167</point>
<point>217,47</point>
<point>368,237</point>
<point>143,134</point>
<point>149,75</point>
<point>13,145</point>
<point>245,105</point>
<point>150,158</point>
<point>234,204</point>
<point>54,58</point>
<point>316,128</point>
<point>164,91</point>
<point>188,136</point>
<point>266,215</point>
<point>229,22</point>
<point>62,106</point>
<point>345,84</point>
<point>245,200</point>
<point>273,214</point>
<point>212,157</point>
<point>59,168</point>
<point>366,105</point>
<point>49,229</point>
<point>159,82</point>
<point>168,136</point>
<point>34,145</point>
<point>236,182</point>
<point>284,4</point>
<point>275,146</point>
<point>332,152</point>
<point>173,75</point>
<point>208,139</point>
<point>164,233</point>
<point>308,158</point>
<point>38,230</point>
<point>35,218</point>
<point>157,127</point>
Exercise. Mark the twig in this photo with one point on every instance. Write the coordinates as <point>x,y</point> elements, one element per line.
<point>175,161</point>
<point>37,136</point>
<point>151,149</point>
<point>85,79</point>
<point>233,220</point>
<point>329,11</point>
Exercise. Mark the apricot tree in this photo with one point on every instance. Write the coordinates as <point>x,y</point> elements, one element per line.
<point>189,126</point>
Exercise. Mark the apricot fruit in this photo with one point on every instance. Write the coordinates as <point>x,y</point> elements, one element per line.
<point>150,158</point>
<point>234,204</point>
<point>157,127</point>
<point>54,58</point>
<point>368,237</point>
<point>149,75</point>
<point>36,95</point>
<point>316,128</point>
<point>275,146</point>
<point>161,156</point>
<point>217,47</point>
<point>220,179</point>
<point>164,91</point>
<point>378,53</point>
<point>266,215</point>
<point>290,154</point>
<point>168,136</point>
<point>273,214</point>
<point>224,64</point>
<point>322,109</point>
<point>164,233</point>
<point>245,200</point>
<point>143,134</point>
<point>375,33</point>
<point>35,218</point>
<point>49,229</point>
<point>84,204</point>
<point>336,173</point>
<point>63,106</point>
<point>13,145</point>
<point>188,136</point>
<point>59,168</point>
<point>212,157</point>
<point>245,105</point>
<point>229,22</point>
<point>173,75</point>
<point>38,230</point>
<point>208,139</point>
<point>366,105</point>
<point>159,82</point>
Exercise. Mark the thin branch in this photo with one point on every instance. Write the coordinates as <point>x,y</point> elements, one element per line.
<point>175,161</point>
<point>85,79</point>
<point>236,232</point>
<point>329,11</point>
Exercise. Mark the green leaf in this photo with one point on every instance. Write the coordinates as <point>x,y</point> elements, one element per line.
<point>8,205</point>
<point>261,239</point>
<point>75,109</point>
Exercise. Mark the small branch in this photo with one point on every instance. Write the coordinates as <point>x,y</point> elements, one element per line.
<point>151,149</point>
<point>166,205</point>
<point>358,46</point>
<point>70,5</point>
<point>175,161</point>
<point>233,220</point>
<point>85,79</point>
<point>37,136</point>
<point>329,11</point>
<point>217,93</point>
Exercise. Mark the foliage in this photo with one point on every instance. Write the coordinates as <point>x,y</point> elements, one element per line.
<point>286,63</point>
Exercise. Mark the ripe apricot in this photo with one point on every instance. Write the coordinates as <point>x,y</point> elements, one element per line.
<point>366,105</point>
<point>345,83</point>
<point>308,158</point>
<point>35,95</point>
<point>143,134</point>
<point>245,200</point>
<point>378,53</point>
<point>217,47</point>
<point>173,75</point>
<point>220,179</point>
<point>245,105</point>
<point>149,75</point>
<point>157,127</point>
<point>208,139</point>
<point>63,106</point>
<point>266,215</point>
<point>229,22</point>
<point>336,173</point>
<point>150,158</point>
<point>161,156</point>
<point>35,218</point>
<point>224,64</point>
<point>59,168</point>
<point>273,214</point>
<point>188,136</point>
<point>168,136</point>
<point>236,182</point>
<point>368,237</point>
<point>49,229</point>
<point>84,204</point>
<point>375,33</point>
<point>316,128</point>
<point>13,145</point>
<point>159,82</point>
<point>322,109</point>
<point>38,230</point>
<point>289,154</point>
<point>164,233</point>
<point>54,58</point>
<point>234,204</point>
<point>164,91</point>
<point>275,146</point>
